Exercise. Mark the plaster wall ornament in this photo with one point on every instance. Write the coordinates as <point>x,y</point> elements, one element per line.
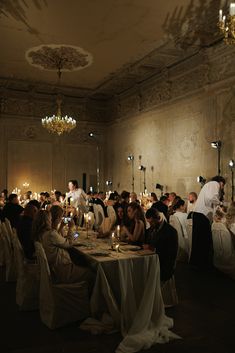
<point>53,56</point>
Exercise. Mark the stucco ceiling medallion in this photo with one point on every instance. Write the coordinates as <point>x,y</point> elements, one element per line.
<point>50,57</point>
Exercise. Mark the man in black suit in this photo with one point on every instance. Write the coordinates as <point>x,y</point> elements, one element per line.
<point>162,205</point>
<point>12,210</point>
<point>162,237</point>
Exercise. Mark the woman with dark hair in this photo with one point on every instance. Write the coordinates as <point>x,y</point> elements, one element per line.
<point>46,228</point>
<point>77,196</point>
<point>136,231</point>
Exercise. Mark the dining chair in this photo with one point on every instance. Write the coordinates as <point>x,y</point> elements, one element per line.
<point>27,284</point>
<point>9,255</point>
<point>60,304</point>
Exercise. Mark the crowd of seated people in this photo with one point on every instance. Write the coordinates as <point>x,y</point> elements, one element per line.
<point>161,226</point>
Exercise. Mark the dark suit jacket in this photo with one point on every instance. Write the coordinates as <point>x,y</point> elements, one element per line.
<point>12,213</point>
<point>24,230</point>
<point>165,241</point>
<point>161,207</point>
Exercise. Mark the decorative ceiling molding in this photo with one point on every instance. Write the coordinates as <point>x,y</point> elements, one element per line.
<point>54,57</point>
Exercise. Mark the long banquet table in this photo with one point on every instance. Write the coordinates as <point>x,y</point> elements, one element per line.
<point>126,295</point>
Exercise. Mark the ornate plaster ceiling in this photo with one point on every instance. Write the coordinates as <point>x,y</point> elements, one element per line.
<point>129,40</point>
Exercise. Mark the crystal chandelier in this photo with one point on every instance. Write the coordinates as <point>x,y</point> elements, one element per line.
<point>227,24</point>
<point>58,124</point>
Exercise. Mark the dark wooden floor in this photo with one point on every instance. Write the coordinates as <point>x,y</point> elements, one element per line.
<point>204,318</point>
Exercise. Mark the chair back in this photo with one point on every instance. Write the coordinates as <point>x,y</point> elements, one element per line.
<point>45,276</point>
<point>8,227</point>
<point>183,250</point>
<point>112,214</point>
<point>99,215</point>
<point>9,254</point>
<point>27,286</point>
<point>222,244</point>
<point>2,252</point>
<point>92,219</point>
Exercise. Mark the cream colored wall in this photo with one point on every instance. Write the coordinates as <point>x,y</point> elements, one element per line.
<point>28,153</point>
<point>175,141</point>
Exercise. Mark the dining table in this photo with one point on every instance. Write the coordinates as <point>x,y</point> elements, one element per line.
<point>127,292</point>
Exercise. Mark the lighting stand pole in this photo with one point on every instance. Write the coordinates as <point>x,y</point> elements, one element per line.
<point>144,170</point>
<point>232,184</point>
<point>219,156</point>
<point>98,167</point>
<point>133,175</point>
<point>93,136</point>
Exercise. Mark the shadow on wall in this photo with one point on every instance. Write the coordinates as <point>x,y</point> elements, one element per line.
<point>17,10</point>
<point>195,25</point>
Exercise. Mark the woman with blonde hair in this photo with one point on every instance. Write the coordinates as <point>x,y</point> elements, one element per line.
<point>46,230</point>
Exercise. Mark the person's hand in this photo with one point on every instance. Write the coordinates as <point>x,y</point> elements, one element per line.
<point>71,223</point>
<point>146,246</point>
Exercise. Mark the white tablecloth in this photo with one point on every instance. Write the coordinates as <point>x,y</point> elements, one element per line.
<point>128,289</point>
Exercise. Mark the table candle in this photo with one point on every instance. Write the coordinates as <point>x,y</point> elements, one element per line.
<point>220,15</point>
<point>112,240</point>
<point>118,231</point>
<point>89,220</point>
<point>117,248</point>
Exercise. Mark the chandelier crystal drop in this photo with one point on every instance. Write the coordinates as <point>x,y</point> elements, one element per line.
<point>59,124</point>
<point>226,24</point>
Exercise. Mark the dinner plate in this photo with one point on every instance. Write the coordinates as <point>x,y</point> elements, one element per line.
<point>98,253</point>
<point>130,247</point>
<point>81,243</point>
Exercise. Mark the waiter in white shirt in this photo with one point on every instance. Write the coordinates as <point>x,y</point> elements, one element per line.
<point>76,195</point>
<point>202,246</point>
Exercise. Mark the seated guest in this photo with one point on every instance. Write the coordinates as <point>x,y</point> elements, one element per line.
<point>111,200</point>
<point>162,237</point>
<point>58,196</point>
<point>162,205</point>
<point>120,216</point>
<point>24,230</point>
<point>135,233</point>
<point>12,210</point>
<point>99,200</point>
<point>36,203</point>
<point>46,229</point>
<point>4,194</point>
<point>125,195</point>
<point>133,197</point>
<point>171,210</point>
<point>27,197</point>
<point>223,245</point>
<point>172,196</point>
<point>43,200</point>
<point>153,198</point>
<point>192,198</point>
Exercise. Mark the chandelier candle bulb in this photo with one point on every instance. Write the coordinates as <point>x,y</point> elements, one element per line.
<point>232,9</point>
<point>220,15</point>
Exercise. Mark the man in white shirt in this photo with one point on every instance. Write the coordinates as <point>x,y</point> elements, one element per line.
<point>208,200</point>
<point>76,195</point>
<point>192,198</point>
